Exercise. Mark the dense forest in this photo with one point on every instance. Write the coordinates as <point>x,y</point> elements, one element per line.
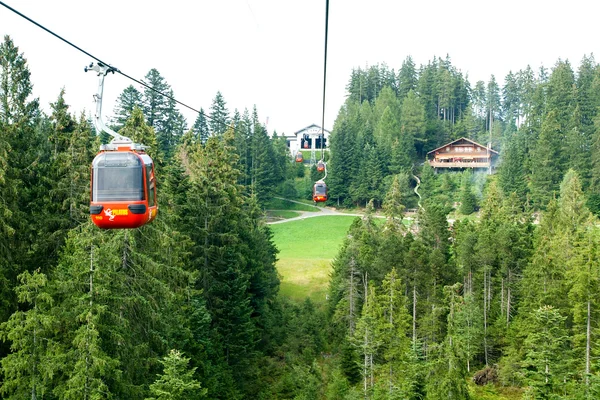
<point>188,307</point>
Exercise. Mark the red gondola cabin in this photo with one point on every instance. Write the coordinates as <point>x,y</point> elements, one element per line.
<point>319,192</point>
<point>299,157</point>
<point>123,190</point>
<point>320,166</point>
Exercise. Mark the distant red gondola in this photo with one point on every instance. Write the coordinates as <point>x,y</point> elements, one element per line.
<point>320,166</point>
<point>299,157</point>
<point>319,192</point>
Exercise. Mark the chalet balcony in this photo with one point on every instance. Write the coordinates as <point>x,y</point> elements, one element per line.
<point>459,164</point>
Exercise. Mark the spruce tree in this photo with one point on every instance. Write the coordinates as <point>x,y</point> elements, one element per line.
<point>129,99</point>
<point>219,115</point>
<point>545,364</point>
<point>155,104</point>
<point>177,381</point>
<point>407,78</point>
<point>28,369</point>
<point>468,202</point>
<point>200,127</point>
<point>547,162</point>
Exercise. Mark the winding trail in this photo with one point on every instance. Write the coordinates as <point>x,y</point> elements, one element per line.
<point>417,188</point>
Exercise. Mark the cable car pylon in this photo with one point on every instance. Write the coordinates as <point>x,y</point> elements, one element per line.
<point>123,187</point>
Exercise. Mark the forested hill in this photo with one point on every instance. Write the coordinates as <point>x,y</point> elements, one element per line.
<point>542,122</point>
<point>510,297</point>
<point>188,307</point>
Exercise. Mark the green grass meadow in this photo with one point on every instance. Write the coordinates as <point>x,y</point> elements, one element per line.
<point>306,249</point>
<point>285,214</point>
<point>281,204</point>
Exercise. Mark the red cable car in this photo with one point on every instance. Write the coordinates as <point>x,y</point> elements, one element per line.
<point>299,157</point>
<point>123,192</point>
<point>123,189</point>
<point>320,166</point>
<point>319,192</point>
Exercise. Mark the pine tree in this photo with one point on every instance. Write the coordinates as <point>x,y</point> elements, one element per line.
<point>219,115</point>
<point>155,104</point>
<point>24,154</point>
<point>412,123</point>
<point>392,204</point>
<point>468,202</point>
<point>450,368</point>
<point>200,127</point>
<point>367,339</point>
<point>129,99</point>
<point>398,370</point>
<point>407,78</point>
<point>546,162</point>
<point>387,128</point>
<point>27,369</point>
<point>177,381</point>
<point>137,130</point>
<point>545,347</point>
<point>171,128</point>
<point>512,174</point>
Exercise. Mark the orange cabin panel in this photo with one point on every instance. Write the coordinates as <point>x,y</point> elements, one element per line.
<point>123,190</point>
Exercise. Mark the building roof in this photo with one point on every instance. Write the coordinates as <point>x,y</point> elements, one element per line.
<point>310,126</point>
<point>468,140</point>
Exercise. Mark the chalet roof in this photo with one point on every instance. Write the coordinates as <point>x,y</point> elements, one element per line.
<point>463,138</point>
<point>308,127</point>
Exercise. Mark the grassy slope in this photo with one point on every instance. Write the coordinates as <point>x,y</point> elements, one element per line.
<point>285,214</point>
<point>279,204</point>
<point>306,248</point>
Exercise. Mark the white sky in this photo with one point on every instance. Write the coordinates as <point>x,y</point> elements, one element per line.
<point>270,52</point>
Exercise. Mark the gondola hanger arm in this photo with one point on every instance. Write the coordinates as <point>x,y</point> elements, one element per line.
<point>103,70</point>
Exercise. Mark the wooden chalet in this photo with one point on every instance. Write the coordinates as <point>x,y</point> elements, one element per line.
<point>463,153</point>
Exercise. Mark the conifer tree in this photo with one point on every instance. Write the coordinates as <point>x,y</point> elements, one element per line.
<point>155,104</point>
<point>24,155</point>
<point>137,130</point>
<point>200,127</point>
<point>387,128</point>
<point>546,346</point>
<point>407,78</point>
<point>171,128</point>
<point>177,381</point>
<point>512,174</point>
<point>412,123</point>
<point>129,99</point>
<point>546,162</point>
<point>450,368</point>
<point>392,204</point>
<point>27,369</point>
<point>219,115</point>
<point>468,202</point>
<point>398,369</point>
<point>367,339</point>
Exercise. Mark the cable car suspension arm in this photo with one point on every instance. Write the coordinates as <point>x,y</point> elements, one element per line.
<point>102,71</point>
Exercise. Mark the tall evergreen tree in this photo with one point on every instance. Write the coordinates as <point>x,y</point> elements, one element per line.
<point>407,78</point>
<point>547,162</point>
<point>177,381</point>
<point>200,127</point>
<point>219,115</point>
<point>155,104</point>
<point>129,99</point>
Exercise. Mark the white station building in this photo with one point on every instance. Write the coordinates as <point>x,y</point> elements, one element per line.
<point>308,140</point>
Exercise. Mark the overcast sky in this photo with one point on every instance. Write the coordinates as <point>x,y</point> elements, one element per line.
<point>270,52</point>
